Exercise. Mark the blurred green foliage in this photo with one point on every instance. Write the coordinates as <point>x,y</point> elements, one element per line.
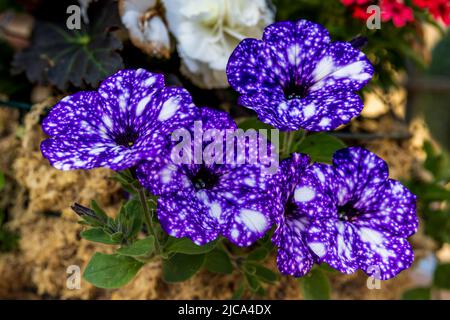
<point>434,194</point>
<point>435,104</point>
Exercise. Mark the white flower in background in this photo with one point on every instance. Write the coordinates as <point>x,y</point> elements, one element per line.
<point>207,31</point>
<point>147,29</point>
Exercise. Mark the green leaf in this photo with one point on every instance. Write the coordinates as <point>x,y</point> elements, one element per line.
<point>315,286</point>
<point>253,123</point>
<point>326,268</point>
<point>186,246</point>
<point>98,235</point>
<point>118,237</point>
<point>442,276</point>
<point>64,57</point>
<point>432,161</point>
<point>320,147</point>
<point>98,211</point>
<point>111,270</point>
<point>435,192</point>
<point>237,295</point>
<point>262,273</point>
<point>8,240</point>
<point>250,268</point>
<point>437,224</point>
<point>265,274</point>
<point>143,247</point>
<point>218,261</point>
<point>181,267</point>
<point>2,181</point>
<point>91,221</point>
<point>253,283</point>
<point>124,181</point>
<point>258,254</point>
<point>417,294</point>
<point>130,218</point>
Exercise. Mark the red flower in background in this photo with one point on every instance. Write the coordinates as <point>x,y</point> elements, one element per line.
<point>394,10</point>
<point>360,13</point>
<point>349,3</point>
<point>397,11</point>
<point>439,9</point>
<point>358,8</point>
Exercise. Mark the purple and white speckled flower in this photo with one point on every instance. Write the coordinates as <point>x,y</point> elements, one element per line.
<point>293,256</point>
<point>204,201</point>
<point>357,218</point>
<point>295,77</point>
<point>129,119</point>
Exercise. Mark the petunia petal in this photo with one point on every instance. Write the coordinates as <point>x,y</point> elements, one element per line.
<point>288,175</point>
<point>70,154</point>
<point>253,67</point>
<point>341,67</point>
<point>216,119</point>
<point>361,171</point>
<point>80,113</point>
<point>392,210</point>
<point>340,240</point>
<point>324,110</point>
<point>381,256</point>
<point>293,256</point>
<point>294,44</point>
<point>126,96</point>
<point>174,109</point>
<point>247,222</point>
<point>166,173</point>
<point>195,216</point>
<point>270,106</point>
<point>250,204</point>
<point>312,195</point>
<point>162,176</point>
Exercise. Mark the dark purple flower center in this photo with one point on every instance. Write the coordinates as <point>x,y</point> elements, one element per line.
<point>347,212</point>
<point>126,138</point>
<point>290,208</point>
<point>293,91</point>
<point>204,179</point>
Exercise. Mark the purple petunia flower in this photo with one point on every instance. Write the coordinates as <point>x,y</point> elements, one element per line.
<point>293,256</point>
<point>352,216</point>
<point>129,119</point>
<point>295,77</point>
<point>202,201</point>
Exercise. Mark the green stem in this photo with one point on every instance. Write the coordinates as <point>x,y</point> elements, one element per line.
<point>300,139</point>
<point>303,136</point>
<point>291,136</point>
<point>284,146</point>
<point>148,218</point>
